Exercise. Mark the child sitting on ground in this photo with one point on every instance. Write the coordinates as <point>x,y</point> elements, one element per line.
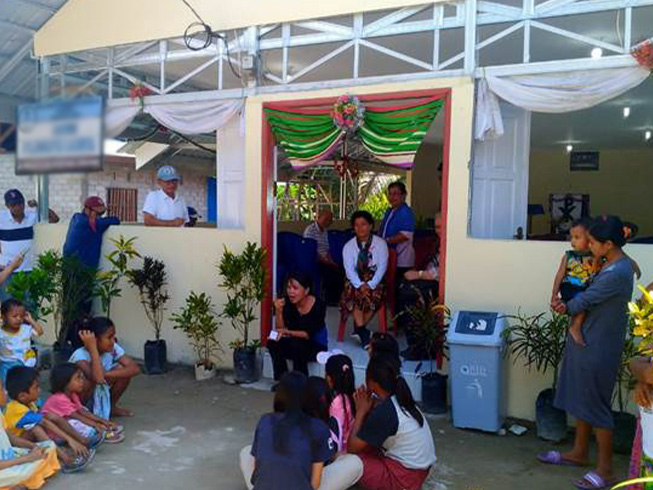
<point>316,404</point>
<point>24,420</point>
<point>107,368</point>
<point>67,383</point>
<point>24,464</point>
<point>16,333</point>
<point>576,270</point>
<point>339,373</point>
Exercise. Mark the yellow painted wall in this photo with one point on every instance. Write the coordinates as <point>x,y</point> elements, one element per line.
<point>425,192</point>
<point>621,186</point>
<point>90,24</point>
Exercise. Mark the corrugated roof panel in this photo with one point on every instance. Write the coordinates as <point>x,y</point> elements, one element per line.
<point>29,17</point>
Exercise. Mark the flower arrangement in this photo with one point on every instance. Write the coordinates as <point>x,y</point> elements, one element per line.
<point>139,92</point>
<point>643,53</point>
<point>641,312</point>
<point>348,113</point>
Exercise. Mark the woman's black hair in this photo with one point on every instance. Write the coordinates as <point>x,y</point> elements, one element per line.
<point>305,280</point>
<point>382,371</point>
<point>608,229</point>
<point>19,380</point>
<point>61,375</point>
<point>317,399</point>
<point>399,185</point>
<point>384,343</point>
<point>585,222</point>
<point>362,214</point>
<point>9,305</point>
<point>288,401</point>
<point>98,325</point>
<point>341,371</point>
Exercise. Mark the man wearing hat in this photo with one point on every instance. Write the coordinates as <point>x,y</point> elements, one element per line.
<point>17,231</point>
<point>165,207</point>
<point>84,238</point>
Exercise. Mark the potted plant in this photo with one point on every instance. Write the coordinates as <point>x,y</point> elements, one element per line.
<point>430,320</point>
<point>37,289</point>
<point>106,287</point>
<point>540,341</point>
<point>151,281</point>
<point>197,319</point>
<point>243,279</point>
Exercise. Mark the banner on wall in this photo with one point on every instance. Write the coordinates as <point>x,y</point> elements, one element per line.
<point>60,136</point>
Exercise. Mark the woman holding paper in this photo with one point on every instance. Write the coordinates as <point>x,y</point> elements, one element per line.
<point>300,327</point>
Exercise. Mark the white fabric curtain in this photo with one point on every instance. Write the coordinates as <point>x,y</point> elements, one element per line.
<point>551,93</point>
<point>183,117</point>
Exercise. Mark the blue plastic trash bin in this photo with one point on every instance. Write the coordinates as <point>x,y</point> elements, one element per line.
<point>476,352</point>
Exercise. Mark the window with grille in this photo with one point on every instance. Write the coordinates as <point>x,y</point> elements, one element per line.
<point>122,203</point>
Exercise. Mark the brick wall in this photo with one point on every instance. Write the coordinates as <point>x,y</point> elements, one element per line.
<point>68,191</point>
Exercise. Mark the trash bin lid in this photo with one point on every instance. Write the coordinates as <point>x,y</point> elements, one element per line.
<point>477,328</point>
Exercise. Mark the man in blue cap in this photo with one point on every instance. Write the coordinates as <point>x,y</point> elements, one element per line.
<point>165,207</point>
<point>17,232</point>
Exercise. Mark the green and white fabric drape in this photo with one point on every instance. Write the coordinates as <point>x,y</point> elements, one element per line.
<point>392,134</point>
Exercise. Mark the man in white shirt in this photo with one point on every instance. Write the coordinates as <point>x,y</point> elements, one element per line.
<point>165,207</point>
<point>332,276</point>
<point>17,232</point>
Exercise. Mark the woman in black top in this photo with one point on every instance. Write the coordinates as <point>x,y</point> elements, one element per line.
<point>300,327</point>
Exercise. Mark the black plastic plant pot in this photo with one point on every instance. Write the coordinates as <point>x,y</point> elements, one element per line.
<point>551,421</point>
<point>156,357</point>
<point>61,353</point>
<point>434,393</point>
<point>245,365</point>
<point>625,426</point>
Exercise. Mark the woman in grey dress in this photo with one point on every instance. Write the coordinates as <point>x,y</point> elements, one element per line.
<point>589,371</point>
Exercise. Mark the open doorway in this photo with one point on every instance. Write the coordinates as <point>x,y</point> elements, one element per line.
<point>292,197</point>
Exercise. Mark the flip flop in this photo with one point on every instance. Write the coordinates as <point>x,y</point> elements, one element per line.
<point>114,437</point>
<point>593,481</point>
<point>555,458</point>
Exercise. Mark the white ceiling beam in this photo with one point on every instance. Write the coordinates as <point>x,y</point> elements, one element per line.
<point>36,5</point>
<point>577,37</point>
<point>391,19</point>
<point>8,67</point>
<point>499,9</point>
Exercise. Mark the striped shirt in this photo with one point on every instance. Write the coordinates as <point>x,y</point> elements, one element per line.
<point>17,237</point>
<point>320,236</point>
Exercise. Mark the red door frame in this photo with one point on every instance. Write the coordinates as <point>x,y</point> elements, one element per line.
<point>267,173</point>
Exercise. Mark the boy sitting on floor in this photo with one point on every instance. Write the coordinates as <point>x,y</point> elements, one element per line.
<point>24,420</point>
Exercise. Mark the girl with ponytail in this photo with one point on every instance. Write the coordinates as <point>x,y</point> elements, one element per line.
<point>339,372</point>
<point>390,435</point>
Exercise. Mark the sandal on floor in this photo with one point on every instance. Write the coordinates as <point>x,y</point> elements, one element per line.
<point>593,481</point>
<point>555,458</point>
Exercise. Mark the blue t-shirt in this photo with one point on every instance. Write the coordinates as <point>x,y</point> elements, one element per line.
<point>275,471</point>
<point>84,243</point>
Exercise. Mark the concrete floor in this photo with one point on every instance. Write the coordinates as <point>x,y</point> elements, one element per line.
<point>188,435</point>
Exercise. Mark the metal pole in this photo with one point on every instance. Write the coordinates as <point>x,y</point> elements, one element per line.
<point>42,181</point>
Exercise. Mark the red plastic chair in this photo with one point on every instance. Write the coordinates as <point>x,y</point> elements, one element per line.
<point>344,316</point>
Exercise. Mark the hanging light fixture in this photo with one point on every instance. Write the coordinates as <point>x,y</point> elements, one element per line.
<point>626,112</point>
<point>570,148</point>
<point>647,136</point>
<point>597,53</point>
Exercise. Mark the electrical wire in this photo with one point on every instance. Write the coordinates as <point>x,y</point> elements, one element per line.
<point>197,16</point>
